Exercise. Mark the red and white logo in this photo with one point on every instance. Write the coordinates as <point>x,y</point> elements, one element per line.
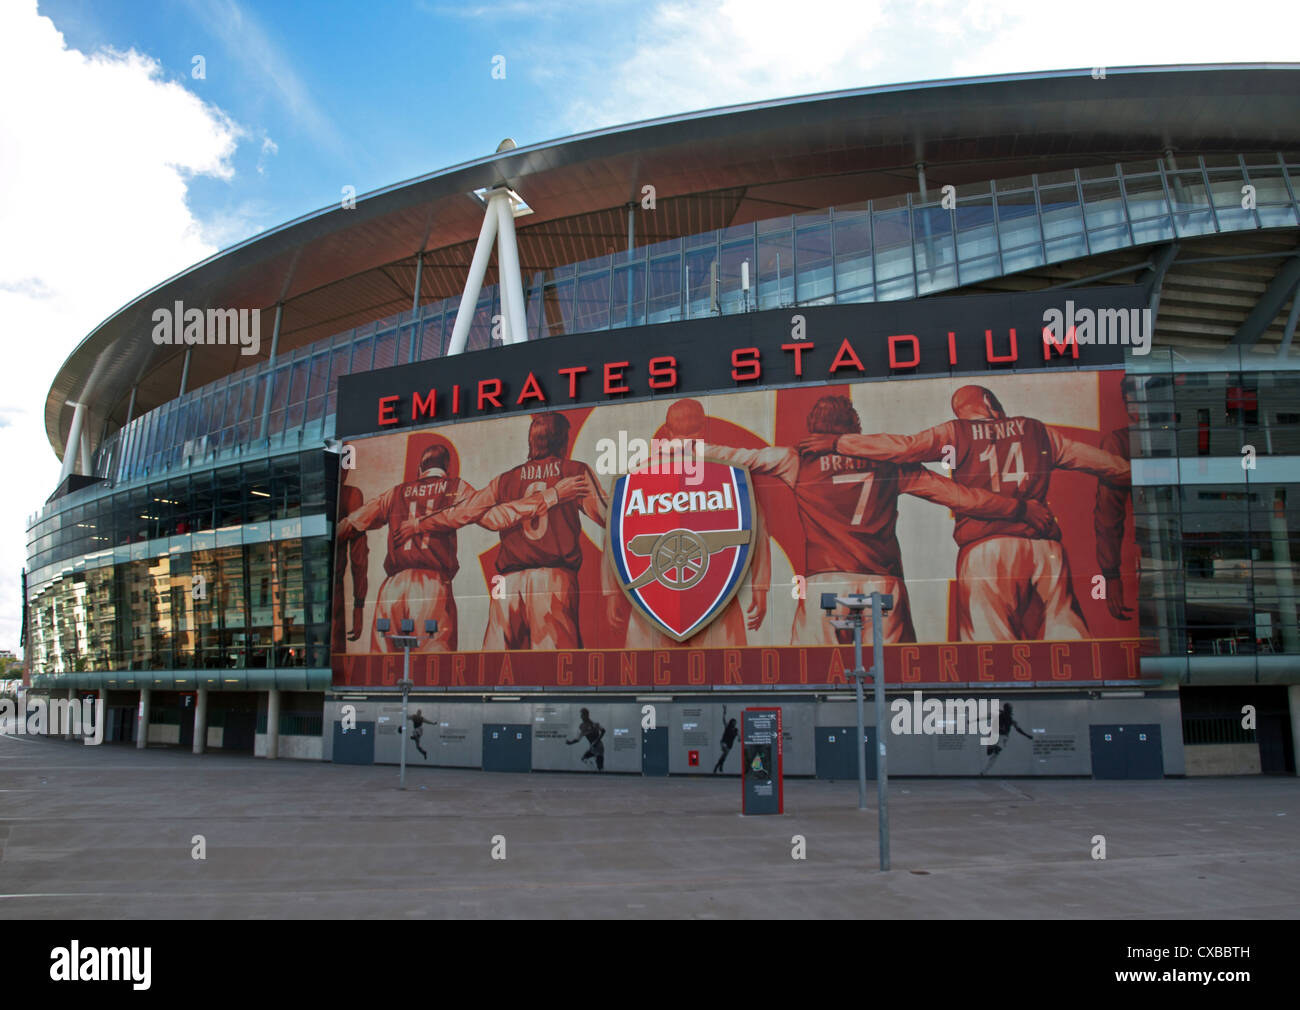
<point>681,543</point>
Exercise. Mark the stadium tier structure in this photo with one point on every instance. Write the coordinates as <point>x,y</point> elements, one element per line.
<point>583,430</point>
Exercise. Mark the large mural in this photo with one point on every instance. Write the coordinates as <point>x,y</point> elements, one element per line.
<point>687,540</point>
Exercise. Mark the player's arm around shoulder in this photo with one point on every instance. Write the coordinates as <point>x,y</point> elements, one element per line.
<point>924,447</point>
<point>976,502</point>
<point>1071,454</point>
<point>467,506</point>
<point>781,461</point>
<point>592,498</point>
<point>369,516</point>
<point>503,515</point>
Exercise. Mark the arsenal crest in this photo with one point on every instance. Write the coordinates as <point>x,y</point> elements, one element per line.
<point>681,543</point>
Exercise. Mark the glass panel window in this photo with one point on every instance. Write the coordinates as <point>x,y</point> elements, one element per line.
<point>592,310</point>
<point>814,278</point>
<point>431,341</point>
<point>1191,204</point>
<point>775,269</point>
<point>629,295</point>
<point>935,252</point>
<point>1226,190</point>
<point>1103,210</point>
<point>557,308</point>
<point>1272,201</point>
<point>257,491</point>
<point>893,252</point>
<point>854,281</point>
<point>731,297</point>
<point>1062,222</point>
<point>363,354</point>
<point>279,398</point>
<point>700,264</point>
<point>1019,232</point>
<point>665,290</point>
<point>265,602</point>
<point>977,244</point>
<point>385,350</point>
<point>286,489</point>
<point>297,394</point>
<point>1148,209</point>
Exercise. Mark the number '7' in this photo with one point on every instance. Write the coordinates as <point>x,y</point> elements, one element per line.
<point>867,480</point>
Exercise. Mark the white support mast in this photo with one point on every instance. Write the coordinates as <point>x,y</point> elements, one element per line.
<point>501,206</point>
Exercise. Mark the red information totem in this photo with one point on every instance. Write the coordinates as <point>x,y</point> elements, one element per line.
<point>762,787</point>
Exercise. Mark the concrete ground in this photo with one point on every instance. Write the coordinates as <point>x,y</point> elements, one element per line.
<point>107,833</point>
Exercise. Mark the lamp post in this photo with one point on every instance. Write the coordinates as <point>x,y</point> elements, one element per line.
<point>406,640</point>
<point>881,604</point>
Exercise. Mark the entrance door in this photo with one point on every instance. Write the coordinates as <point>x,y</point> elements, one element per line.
<point>654,751</point>
<point>1127,752</point>
<point>834,752</point>
<point>508,747</point>
<point>356,746</point>
<point>239,732</point>
<point>121,725</point>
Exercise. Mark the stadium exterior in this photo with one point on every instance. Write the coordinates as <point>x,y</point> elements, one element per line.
<point>224,540</point>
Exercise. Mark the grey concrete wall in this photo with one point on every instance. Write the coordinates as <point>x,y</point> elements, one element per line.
<point>1059,728</point>
<point>1057,725</point>
<point>302,748</point>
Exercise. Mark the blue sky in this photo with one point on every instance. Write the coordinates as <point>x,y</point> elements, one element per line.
<point>335,93</point>
<point>119,168</point>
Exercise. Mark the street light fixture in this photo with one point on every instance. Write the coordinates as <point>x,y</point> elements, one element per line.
<point>855,604</point>
<point>406,640</point>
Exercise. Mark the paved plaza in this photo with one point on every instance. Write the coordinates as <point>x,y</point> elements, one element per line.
<point>108,833</point>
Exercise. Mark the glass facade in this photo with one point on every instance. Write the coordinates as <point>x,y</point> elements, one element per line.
<point>216,570</point>
<point>1216,499</point>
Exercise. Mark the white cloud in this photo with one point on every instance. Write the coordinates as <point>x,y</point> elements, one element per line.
<point>269,149</point>
<point>95,155</point>
<point>688,55</point>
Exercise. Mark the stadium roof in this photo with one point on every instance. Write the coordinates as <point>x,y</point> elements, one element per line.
<point>338,268</point>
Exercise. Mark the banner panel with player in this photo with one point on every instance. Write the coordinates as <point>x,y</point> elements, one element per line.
<point>686,540</point>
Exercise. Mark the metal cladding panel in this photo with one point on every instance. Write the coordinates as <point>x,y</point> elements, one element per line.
<point>1047,736</point>
<point>554,724</point>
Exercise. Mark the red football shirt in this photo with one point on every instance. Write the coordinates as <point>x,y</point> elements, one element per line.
<point>849,510</point>
<point>1009,456</point>
<point>434,552</point>
<point>551,540</point>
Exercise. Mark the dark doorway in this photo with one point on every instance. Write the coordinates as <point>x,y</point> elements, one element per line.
<point>508,747</point>
<point>120,727</point>
<point>654,751</point>
<point>1127,752</point>
<point>356,745</point>
<point>835,755</point>
<point>1216,715</point>
<point>238,714</point>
